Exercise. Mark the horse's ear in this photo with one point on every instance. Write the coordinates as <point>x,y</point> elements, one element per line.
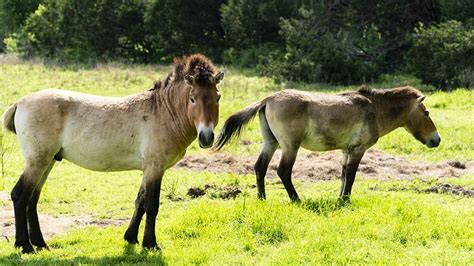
<point>189,80</point>
<point>218,77</point>
<point>421,99</point>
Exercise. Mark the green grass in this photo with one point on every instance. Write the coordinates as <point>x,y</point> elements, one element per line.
<point>387,222</point>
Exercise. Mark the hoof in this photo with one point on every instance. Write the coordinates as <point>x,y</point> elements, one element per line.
<point>151,246</point>
<point>130,239</point>
<point>26,248</point>
<point>43,247</point>
<point>344,199</point>
<point>261,196</point>
<point>295,200</point>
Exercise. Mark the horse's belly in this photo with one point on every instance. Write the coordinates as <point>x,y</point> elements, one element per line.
<point>102,156</point>
<point>319,143</point>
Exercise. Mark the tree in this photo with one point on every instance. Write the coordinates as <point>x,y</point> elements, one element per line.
<point>13,14</point>
<point>178,27</point>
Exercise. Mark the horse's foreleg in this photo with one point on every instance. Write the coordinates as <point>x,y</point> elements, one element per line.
<point>284,172</point>
<point>344,170</point>
<point>152,180</point>
<point>349,173</point>
<point>261,166</point>
<point>34,229</point>
<point>131,235</point>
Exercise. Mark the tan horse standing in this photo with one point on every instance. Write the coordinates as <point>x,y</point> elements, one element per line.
<point>149,131</point>
<point>351,121</point>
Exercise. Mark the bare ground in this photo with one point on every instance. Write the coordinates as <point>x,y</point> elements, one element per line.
<point>50,225</point>
<point>326,166</point>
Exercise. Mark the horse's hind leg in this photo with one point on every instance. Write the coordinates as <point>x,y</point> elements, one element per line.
<point>270,145</point>
<point>21,195</point>
<point>285,169</point>
<point>131,235</point>
<point>34,229</point>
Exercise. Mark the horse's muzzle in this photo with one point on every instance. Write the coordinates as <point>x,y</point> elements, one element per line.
<point>434,140</point>
<point>206,139</point>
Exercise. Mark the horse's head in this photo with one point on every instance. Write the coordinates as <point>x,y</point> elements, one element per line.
<point>420,125</point>
<point>203,107</point>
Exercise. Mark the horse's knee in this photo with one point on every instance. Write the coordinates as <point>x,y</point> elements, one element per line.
<point>258,167</point>
<point>17,190</point>
<point>283,172</point>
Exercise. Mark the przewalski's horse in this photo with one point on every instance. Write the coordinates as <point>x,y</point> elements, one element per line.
<point>351,121</point>
<point>149,131</point>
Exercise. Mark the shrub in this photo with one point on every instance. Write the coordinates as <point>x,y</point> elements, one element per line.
<point>315,54</point>
<point>13,14</point>
<point>177,27</point>
<point>443,55</point>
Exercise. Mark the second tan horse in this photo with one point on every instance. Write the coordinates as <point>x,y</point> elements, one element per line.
<point>149,131</point>
<point>351,122</point>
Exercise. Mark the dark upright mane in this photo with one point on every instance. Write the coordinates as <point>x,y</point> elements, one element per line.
<point>196,65</point>
<point>395,93</point>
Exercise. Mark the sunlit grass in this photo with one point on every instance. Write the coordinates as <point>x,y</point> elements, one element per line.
<point>377,226</point>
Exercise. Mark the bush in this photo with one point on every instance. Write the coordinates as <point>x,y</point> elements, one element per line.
<point>13,14</point>
<point>443,55</point>
<point>249,23</point>
<point>82,30</point>
<point>315,54</point>
<point>177,27</point>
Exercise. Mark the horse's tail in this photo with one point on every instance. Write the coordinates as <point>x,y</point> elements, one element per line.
<point>234,124</point>
<point>8,121</point>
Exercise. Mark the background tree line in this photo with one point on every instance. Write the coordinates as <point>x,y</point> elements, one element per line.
<point>335,41</point>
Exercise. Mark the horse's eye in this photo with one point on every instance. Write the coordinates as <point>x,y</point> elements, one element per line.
<point>191,99</point>
<point>426,113</point>
<point>218,98</point>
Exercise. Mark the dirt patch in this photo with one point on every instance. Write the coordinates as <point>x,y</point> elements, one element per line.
<point>451,189</point>
<point>326,166</point>
<point>50,225</point>
<point>223,192</point>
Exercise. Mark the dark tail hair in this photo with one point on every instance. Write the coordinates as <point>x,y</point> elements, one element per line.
<point>234,124</point>
<point>8,118</point>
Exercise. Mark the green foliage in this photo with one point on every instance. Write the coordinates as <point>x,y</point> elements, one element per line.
<point>79,30</point>
<point>341,42</point>
<point>443,54</point>
<point>12,15</point>
<point>183,27</point>
<point>250,23</point>
<point>461,10</point>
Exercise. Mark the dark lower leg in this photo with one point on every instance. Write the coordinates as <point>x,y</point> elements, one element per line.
<point>152,204</point>
<point>261,167</point>
<point>343,179</point>
<point>34,230</point>
<point>350,173</point>
<point>20,195</point>
<point>284,172</point>
<point>131,235</point>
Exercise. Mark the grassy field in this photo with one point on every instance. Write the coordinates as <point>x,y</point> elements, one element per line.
<point>386,221</point>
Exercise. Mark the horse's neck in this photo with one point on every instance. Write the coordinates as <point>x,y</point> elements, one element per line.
<point>174,99</point>
<point>391,114</point>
